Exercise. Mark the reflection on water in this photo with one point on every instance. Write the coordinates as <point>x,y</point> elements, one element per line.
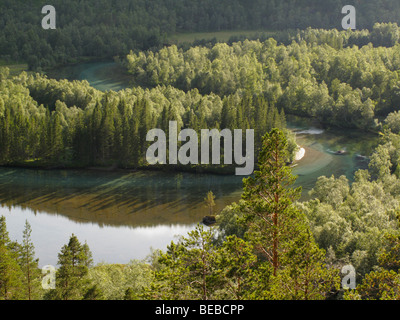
<point>108,244</point>
<point>122,214</point>
<point>117,198</point>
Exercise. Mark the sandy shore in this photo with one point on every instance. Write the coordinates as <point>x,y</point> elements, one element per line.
<point>311,160</point>
<point>300,154</point>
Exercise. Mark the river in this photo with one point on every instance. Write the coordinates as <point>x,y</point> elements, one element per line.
<point>123,214</point>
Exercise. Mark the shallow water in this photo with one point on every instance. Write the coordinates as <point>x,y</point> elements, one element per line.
<point>122,214</point>
<point>101,75</point>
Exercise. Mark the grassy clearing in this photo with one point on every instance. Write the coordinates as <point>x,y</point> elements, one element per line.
<point>15,68</point>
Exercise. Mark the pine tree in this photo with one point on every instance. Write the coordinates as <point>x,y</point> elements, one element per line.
<point>106,131</point>
<point>94,132</point>
<point>10,271</point>
<point>144,127</point>
<point>88,260</point>
<point>279,231</point>
<point>187,268</point>
<point>29,265</point>
<point>170,276</point>
<point>269,198</point>
<point>56,134</point>
<point>71,282</point>
<point>236,268</point>
<point>4,237</point>
<point>94,293</point>
<point>305,275</point>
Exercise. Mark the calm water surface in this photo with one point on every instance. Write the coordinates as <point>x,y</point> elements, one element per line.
<point>122,215</point>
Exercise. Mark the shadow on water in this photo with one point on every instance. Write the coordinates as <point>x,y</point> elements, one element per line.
<point>153,198</point>
<point>117,198</point>
<point>153,204</point>
<point>123,198</point>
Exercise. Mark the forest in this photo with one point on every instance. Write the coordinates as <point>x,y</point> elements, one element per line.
<point>248,84</point>
<point>105,29</point>
<point>50,123</point>
<point>269,245</point>
<point>47,122</point>
<point>339,86</point>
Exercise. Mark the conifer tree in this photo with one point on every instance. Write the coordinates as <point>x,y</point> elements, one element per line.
<point>4,237</point>
<point>93,293</point>
<point>269,199</point>
<point>29,264</point>
<point>71,282</point>
<point>57,144</point>
<point>236,268</point>
<point>10,271</point>
<point>187,268</point>
<point>279,231</point>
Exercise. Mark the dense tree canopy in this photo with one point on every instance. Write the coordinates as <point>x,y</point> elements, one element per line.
<point>61,123</point>
<point>341,86</point>
<point>104,29</point>
<point>342,78</point>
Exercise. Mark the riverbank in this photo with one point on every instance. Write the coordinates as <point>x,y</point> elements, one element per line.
<point>312,159</point>
<point>102,75</point>
<point>300,154</point>
<point>222,170</point>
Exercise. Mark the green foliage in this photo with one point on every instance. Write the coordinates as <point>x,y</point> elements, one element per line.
<point>107,29</point>
<point>230,221</point>
<point>30,266</point>
<point>269,246</point>
<point>209,201</point>
<point>330,190</point>
<point>11,274</point>
<point>186,270</point>
<point>377,285</point>
<point>340,85</point>
<point>356,224</point>
<point>237,268</point>
<point>72,282</point>
<point>384,283</point>
<point>279,231</point>
<point>118,282</point>
<point>44,122</point>
<point>353,219</point>
<point>392,122</point>
<point>268,199</point>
